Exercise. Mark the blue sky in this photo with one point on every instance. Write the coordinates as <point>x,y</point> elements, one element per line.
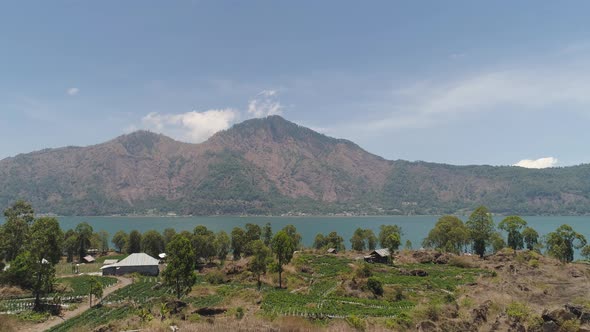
<point>459,82</point>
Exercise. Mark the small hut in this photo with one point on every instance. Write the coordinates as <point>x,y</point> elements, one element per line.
<point>378,256</point>
<point>88,259</point>
<point>332,251</point>
<point>109,261</point>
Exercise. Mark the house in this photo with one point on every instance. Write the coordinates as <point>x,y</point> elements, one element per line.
<point>378,256</point>
<point>88,259</point>
<point>109,261</point>
<point>332,251</point>
<point>141,263</point>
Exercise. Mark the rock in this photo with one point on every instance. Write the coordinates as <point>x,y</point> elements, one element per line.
<point>457,326</point>
<point>479,315</point>
<point>582,313</point>
<point>427,326</point>
<point>557,315</point>
<point>174,328</point>
<point>575,273</point>
<point>416,273</point>
<point>423,257</point>
<point>550,326</point>
<point>443,259</point>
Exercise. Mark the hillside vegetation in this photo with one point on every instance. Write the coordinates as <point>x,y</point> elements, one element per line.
<point>273,166</point>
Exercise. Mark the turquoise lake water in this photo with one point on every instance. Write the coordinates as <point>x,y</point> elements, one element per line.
<point>415,228</point>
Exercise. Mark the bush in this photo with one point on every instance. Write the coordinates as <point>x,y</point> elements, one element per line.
<point>375,286</point>
<point>570,326</point>
<point>534,263</point>
<point>215,278</point>
<point>239,313</point>
<point>364,271</point>
<point>356,322</point>
<point>460,261</point>
<point>517,310</point>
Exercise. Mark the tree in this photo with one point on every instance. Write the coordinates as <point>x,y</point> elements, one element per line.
<point>267,234</point>
<point>168,235</point>
<point>320,241</point>
<point>179,273</point>
<point>223,245</point>
<point>134,243</point>
<point>283,248</point>
<point>562,242</point>
<point>393,242</point>
<point>390,236</point>
<point>238,241</point>
<point>295,237</point>
<point>497,242</point>
<point>449,234</point>
<point>375,286</point>
<point>14,232</point>
<point>513,226</point>
<point>408,245</point>
<point>70,246</point>
<point>357,242</point>
<point>362,239</point>
<point>84,231</point>
<point>253,233</point>
<point>385,231</point>
<point>152,243</point>
<point>260,260</point>
<point>585,252</point>
<point>481,229</point>
<point>530,237</point>
<point>120,240</point>
<point>95,289</point>
<point>204,243</point>
<point>45,248</point>
<point>103,237</point>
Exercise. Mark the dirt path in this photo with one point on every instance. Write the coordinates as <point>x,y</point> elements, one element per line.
<point>53,321</point>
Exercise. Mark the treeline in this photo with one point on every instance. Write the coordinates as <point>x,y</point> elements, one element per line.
<point>451,234</point>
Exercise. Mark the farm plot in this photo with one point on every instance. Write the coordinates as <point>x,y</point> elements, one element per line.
<point>77,289</point>
<point>116,305</point>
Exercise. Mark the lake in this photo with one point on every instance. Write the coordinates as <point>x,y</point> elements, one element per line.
<point>414,228</point>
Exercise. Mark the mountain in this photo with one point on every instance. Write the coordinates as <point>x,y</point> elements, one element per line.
<point>273,166</point>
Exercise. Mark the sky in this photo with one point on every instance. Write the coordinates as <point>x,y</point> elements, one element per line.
<point>459,82</point>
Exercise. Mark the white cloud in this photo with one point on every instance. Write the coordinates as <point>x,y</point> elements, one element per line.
<point>194,127</point>
<point>537,163</point>
<point>72,91</point>
<point>265,104</point>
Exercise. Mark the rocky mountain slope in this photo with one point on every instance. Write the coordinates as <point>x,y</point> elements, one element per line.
<point>273,166</point>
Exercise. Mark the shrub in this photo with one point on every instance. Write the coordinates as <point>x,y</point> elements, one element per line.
<point>570,326</point>
<point>239,313</point>
<point>534,263</point>
<point>215,278</point>
<point>375,286</point>
<point>517,310</point>
<point>356,322</point>
<point>364,271</point>
<point>460,261</point>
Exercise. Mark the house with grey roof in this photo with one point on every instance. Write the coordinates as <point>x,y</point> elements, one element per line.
<point>140,262</point>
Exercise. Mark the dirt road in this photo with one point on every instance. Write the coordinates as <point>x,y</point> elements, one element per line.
<point>53,321</point>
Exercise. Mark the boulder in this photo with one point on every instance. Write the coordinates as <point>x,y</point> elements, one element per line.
<point>443,258</point>
<point>550,326</point>
<point>427,326</point>
<point>580,311</point>
<point>558,315</point>
<point>479,315</point>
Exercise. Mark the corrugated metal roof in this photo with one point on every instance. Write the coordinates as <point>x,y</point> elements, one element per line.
<point>110,261</point>
<point>139,259</point>
<point>382,252</point>
<point>89,258</point>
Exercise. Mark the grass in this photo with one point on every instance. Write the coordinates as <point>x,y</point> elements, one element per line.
<point>81,285</point>
<point>65,268</point>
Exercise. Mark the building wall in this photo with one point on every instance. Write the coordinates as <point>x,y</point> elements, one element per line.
<point>150,270</point>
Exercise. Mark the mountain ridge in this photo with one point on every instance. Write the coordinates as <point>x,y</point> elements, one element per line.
<point>274,166</point>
